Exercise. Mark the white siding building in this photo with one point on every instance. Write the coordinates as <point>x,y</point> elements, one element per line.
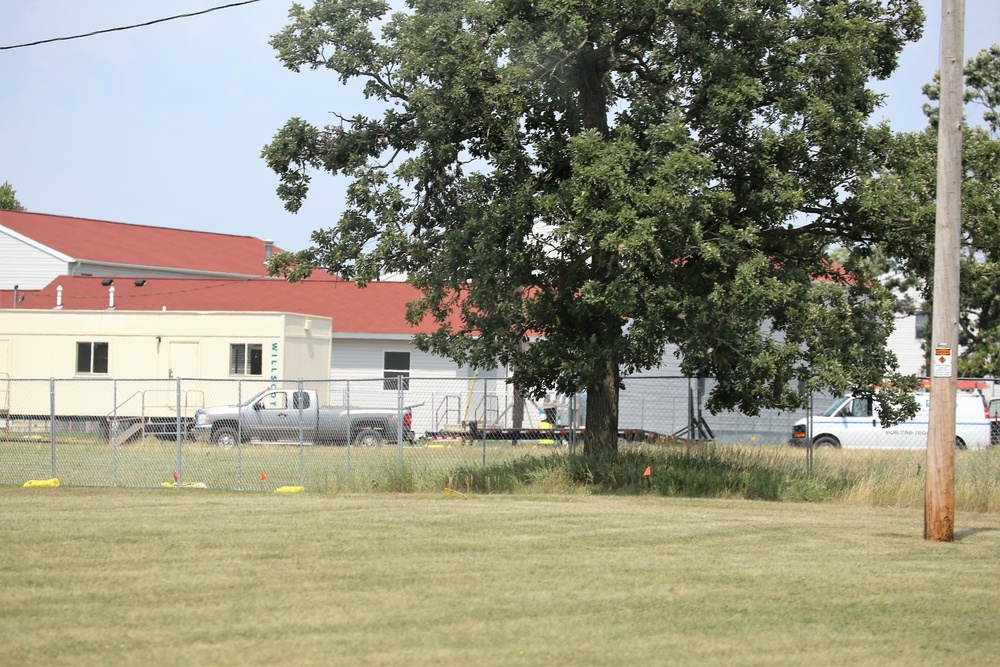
<point>36,248</point>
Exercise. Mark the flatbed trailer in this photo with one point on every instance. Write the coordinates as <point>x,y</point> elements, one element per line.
<point>562,435</point>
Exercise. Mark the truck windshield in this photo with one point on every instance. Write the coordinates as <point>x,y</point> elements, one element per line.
<point>830,411</point>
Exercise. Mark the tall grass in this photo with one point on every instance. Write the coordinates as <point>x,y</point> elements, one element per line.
<point>881,478</point>
<point>775,473</point>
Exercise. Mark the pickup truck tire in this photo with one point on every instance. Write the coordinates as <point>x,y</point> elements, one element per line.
<point>368,437</point>
<point>825,441</point>
<point>225,437</point>
<point>960,444</point>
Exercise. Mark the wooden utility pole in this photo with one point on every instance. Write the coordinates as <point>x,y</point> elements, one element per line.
<point>939,499</point>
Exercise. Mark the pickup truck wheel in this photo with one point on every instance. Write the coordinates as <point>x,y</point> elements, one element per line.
<point>368,437</point>
<point>960,444</point>
<point>225,437</point>
<point>825,441</point>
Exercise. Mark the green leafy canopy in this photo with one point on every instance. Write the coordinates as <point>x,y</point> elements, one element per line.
<point>609,178</point>
<point>8,198</point>
<point>906,193</point>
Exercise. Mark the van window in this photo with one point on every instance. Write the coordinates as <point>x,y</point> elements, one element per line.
<point>863,407</point>
<point>859,407</point>
<point>835,407</point>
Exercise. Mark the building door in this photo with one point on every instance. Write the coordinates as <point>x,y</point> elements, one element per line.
<point>182,357</point>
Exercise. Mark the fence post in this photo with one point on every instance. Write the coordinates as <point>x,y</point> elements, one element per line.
<point>239,435</point>
<point>399,418</point>
<point>642,413</point>
<point>809,436</point>
<point>178,421</point>
<point>572,423</point>
<point>482,424</point>
<point>690,432</point>
<point>302,444</point>
<point>113,431</point>
<point>52,424</point>
<point>180,471</point>
<point>350,435</point>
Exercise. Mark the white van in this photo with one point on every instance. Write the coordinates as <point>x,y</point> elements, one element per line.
<point>852,422</point>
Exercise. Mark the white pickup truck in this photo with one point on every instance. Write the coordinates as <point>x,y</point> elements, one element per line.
<point>851,422</point>
<point>286,415</point>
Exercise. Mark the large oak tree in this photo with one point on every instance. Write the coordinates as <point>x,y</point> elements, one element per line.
<point>610,177</point>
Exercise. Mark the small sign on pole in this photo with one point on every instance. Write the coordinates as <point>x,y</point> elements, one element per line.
<point>942,362</point>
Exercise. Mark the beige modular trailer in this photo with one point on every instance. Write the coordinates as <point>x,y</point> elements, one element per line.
<point>133,367</point>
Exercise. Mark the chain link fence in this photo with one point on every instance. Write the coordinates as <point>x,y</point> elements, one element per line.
<point>351,434</point>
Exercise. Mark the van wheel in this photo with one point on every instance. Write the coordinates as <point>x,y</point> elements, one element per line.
<point>960,444</point>
<point>368,437</point>
<point>825,441</point>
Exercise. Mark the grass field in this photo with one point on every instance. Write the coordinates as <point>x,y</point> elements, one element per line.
<point>201,577</point>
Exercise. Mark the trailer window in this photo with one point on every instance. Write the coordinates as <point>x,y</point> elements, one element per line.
<point>91,357</point>
<point>246,359</point>
<point>396,365</point>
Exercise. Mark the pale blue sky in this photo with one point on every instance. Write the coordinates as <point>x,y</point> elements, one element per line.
<point>164,125</point>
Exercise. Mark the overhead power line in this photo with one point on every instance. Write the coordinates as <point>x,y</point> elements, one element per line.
<point>127,27</point>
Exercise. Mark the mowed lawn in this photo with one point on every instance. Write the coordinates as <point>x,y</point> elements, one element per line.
<point>196,577</point>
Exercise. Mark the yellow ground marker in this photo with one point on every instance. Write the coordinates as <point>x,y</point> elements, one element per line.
<point>40,483</point>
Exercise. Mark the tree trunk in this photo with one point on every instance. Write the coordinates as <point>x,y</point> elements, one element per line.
<point>601,439</point>
<point>517,410</point>
<point>593,96</point>
<point>602,415</point>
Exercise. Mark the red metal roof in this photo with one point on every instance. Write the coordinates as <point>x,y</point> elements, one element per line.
<point>120,243</point>
<point>379,308</point>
